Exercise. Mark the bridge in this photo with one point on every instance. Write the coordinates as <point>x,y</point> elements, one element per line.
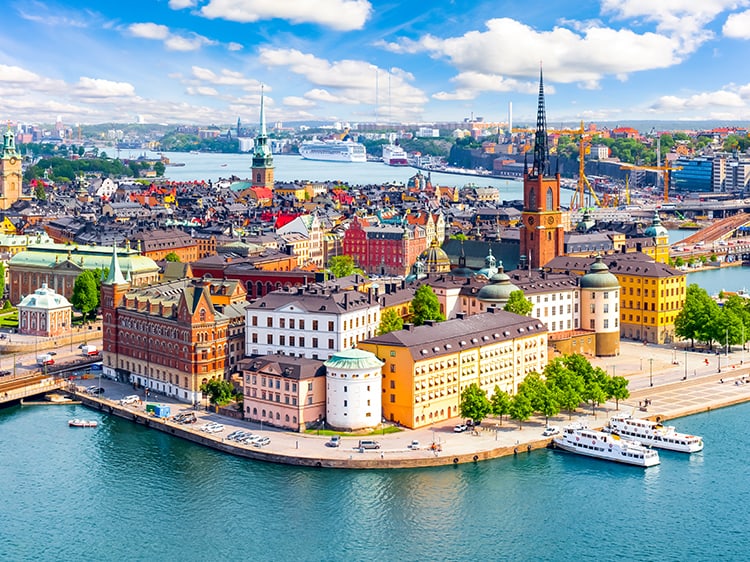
<point>728,239</point>
<point>15,387</point>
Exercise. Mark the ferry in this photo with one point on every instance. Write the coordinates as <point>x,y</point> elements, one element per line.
<point>654,434</point>
<point>82,423</point>
<point>394,155</point>
<point>333,151</point>
<point>577,438</point>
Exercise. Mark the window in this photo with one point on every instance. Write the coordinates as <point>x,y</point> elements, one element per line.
<point>309,386</point>
<point>282,340</point>
<point>330,325</point>
<point>346,403</point>
<point>301,324</point>
<point>393,385</point>
<point>591,324</point>
<point>606,308</point>
<point>255,320</point>
<point>315,342</point>
<point>346,388</point>
<point>606,323</point>
<point>309,400</point>
<point>254,337</point>
<point>330,344</point>
<point>269,322</point>
<point>315,325</point>
<point>291,324</point>
<point>393,368</point>
<point>302,342</point>
<point>592,307</point>
<point>269,339</point>
<point>282,322</point>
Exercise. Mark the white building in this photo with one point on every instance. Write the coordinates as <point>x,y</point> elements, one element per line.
<point>44,313</point>
<point>314,321</point>
<point>353,390</point>
<point>600,307</point>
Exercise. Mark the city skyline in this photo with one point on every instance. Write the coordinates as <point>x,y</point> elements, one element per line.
<point>204,61</point>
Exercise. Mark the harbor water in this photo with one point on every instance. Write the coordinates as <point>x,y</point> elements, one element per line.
<point>124,492</point>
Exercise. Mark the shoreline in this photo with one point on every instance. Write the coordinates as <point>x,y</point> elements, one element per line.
<point>494,441</point>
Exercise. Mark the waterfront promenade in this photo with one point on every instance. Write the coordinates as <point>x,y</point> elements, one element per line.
<point>670,397</point>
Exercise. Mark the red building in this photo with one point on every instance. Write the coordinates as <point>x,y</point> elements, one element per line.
<point>384,249</point>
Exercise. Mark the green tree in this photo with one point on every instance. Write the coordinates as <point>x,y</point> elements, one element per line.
<point>521,409</point>
<point>425,306</point>
<point>474,403</point>
<point>548,402</point>
<point>569,385</point>
<point>2,279</point>
<point>518,304</point>
<point>618,389</point>
<point>159,168</point>
<point>171,256</point>
<point>343,266</point>
<point>596,394</point>
<point>39,192</point>
<point>220,392</point>
<point>85,297</point>
<point>390,321</point>
<point>696,317</point>
<point>500,403</point>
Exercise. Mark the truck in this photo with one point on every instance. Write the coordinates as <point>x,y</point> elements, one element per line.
<point>45,359</point>
<point>89,351</point>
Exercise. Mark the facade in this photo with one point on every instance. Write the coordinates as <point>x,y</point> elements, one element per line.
<point>171,337</point>
<point>542,231</point>
<point>14,243</point>
<point>262,168</point>
<point>353,390</point>
<point>44,313</point>
<point>310,229</point>
<point>157,244</point>
<point>696,175</point>
<point>58,266</point>
<point>384,249</point>
<point>314,321</point>
<point>600,303</point>
<point>11,175</point>
<point>427,367</point>
<point>285,392</point>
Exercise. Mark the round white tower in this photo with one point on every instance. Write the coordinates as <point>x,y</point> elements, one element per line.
<point>600,307</point>
<point>353,390</point>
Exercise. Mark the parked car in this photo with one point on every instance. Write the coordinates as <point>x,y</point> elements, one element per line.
<point>460,428</point>
<point>95,390</point>
<point>262,442</point>
<point>550,430</point>
<point>334,442</point>
<point>368,444</point>
<point>414,445</point>
<point>132,399</point>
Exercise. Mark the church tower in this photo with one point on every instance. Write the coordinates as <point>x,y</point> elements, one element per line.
<point>262,157</point>
<point>10,172</point>
<point>542,233</point>
<point>113,290</point>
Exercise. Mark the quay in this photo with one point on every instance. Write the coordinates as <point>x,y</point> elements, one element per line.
<point>671,397</point>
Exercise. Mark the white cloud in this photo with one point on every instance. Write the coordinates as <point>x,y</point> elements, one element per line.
<point>149,31</point>
<point>99,88</point>
<point>737,25</point>
<point>701,102</point>
<point>172,41</point>
<point>181,4</point>
<point>322,95</point>
<point>232,46</point>
<point>202,91</point>
<point>296,101</point>
<point>225,77</point>
<point>343,15</point>
<point>16,74</point>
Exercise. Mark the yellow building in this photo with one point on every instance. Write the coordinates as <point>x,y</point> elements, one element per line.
<point>10,171</point>
<point>427,367</point>
<point>297,190</point>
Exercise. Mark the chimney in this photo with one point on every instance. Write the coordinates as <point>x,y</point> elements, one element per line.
<point>408,326</point>
<point>492,309</point>
<point>460,315</point>
<point>429,322</point>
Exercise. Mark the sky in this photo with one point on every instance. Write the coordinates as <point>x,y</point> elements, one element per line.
<point>392,61</point>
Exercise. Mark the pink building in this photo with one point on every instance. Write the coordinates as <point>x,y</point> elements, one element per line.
<point>284,391</point>
<point>44,313</point>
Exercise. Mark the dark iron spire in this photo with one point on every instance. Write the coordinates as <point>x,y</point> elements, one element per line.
<point>540,166</point>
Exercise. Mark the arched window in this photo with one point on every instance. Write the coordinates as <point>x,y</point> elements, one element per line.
<point>259,288</point>
<point>550,199</point>
<point>532,198</point>
<point>257,177</point>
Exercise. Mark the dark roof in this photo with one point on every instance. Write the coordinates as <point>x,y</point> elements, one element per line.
<point>286,366</point>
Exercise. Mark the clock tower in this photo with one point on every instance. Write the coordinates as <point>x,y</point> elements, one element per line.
<point>542,233</point>
<point>262,156</point>
<point>10,172</point>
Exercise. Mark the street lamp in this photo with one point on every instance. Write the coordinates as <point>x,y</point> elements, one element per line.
<point>685,377</point>
<point>651,371</point>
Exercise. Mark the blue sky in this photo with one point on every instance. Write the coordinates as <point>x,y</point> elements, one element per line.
<point>203,61</point>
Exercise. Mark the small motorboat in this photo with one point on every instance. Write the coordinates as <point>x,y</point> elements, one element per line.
<point>82,423</point>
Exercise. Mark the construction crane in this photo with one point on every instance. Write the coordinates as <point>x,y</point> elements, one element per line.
<point>578,199</point>
<point>664,169</point>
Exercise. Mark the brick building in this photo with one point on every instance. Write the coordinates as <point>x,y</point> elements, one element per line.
<point>384,249</point>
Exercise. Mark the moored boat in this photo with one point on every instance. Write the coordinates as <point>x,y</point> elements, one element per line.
<point>394,155</point>
<point>333,151</point>
<point>577,438</point>
<point>82,423</point>
<point>654,434</point>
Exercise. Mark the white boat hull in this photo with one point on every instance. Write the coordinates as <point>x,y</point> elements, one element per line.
<point>605,446</point>
<point>653,434</point>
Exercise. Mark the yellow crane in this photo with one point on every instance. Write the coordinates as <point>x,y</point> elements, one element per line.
<point>665,169</point>
<point>578,200</point>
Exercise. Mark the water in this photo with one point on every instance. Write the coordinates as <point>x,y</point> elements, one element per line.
<point>123,492</point>
<point>725,279</point>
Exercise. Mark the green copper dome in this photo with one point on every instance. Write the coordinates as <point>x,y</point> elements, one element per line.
<point>599,277</point>
<point>354,359</point>
<point>656,228</point>
<point>498,290</point>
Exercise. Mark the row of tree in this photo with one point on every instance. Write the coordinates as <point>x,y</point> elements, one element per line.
<point>702,319</point>
<point>567,382</point>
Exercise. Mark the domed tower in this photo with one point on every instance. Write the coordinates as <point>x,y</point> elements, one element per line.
<point>498,290</point>
<point>661,238</point>
<point>11,174</point>
<point>435,259</point>
<point>354,389</point>
<point>490,267</point>
<point>600,307</point>
<point>587,222</point>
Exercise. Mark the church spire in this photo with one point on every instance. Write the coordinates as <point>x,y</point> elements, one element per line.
<point>262,113</point>
<point>540,166</point>
<point>115,273</point>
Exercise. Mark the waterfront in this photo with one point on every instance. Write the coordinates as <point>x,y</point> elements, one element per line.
<point>125,492</point>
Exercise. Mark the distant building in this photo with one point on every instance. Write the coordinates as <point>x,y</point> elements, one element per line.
<point>696,175</point>
<point>262,168</point>
<point>11,175</point>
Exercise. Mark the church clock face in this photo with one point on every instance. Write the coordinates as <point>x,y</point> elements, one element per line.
<point>531,220</point>
<point>12,159</point>
<point>550,220</point>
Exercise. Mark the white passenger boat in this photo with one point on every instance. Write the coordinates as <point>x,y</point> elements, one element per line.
<point>654,434</point>
<point>82,423</point>
<point>394,155</point>
<point>333,151</point>
<point>577,438</point>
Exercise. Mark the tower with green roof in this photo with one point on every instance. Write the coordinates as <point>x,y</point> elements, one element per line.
<point>262,156</point>
<point>10,171</point>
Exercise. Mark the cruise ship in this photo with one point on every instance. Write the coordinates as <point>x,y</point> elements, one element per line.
<point>333,151</point>
<point>577,438</point>
<point>394,155</point>
<point>654,434</point>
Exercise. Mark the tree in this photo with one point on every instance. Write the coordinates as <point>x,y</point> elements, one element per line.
<point>500,403</point>
<point>594,393</point>
<point>171,256</point>
<point>343,266</point>
<point>618,389</point>
<point>85,297</point>
<point>2,280</point>
<point>521,409</point>
<point>159,168</point>
<point>220,392</point>
<point>425,306</point>
<point>696,317</point>
<point>548,402</point>
<point>390,321</point>
<point>474,403</point>
<point>518,304</point>
<point>39,192</point>
<point>569,385</point>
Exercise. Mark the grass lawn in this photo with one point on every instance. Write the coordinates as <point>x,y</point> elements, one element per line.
<point>9,319</point>
<point>386,431</point>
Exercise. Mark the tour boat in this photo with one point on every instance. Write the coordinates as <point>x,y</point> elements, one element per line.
<point>577,438</point>
<point>394,155</point>
<point>654,434</point>
<point>333,151</point>
<point>82,423</point>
